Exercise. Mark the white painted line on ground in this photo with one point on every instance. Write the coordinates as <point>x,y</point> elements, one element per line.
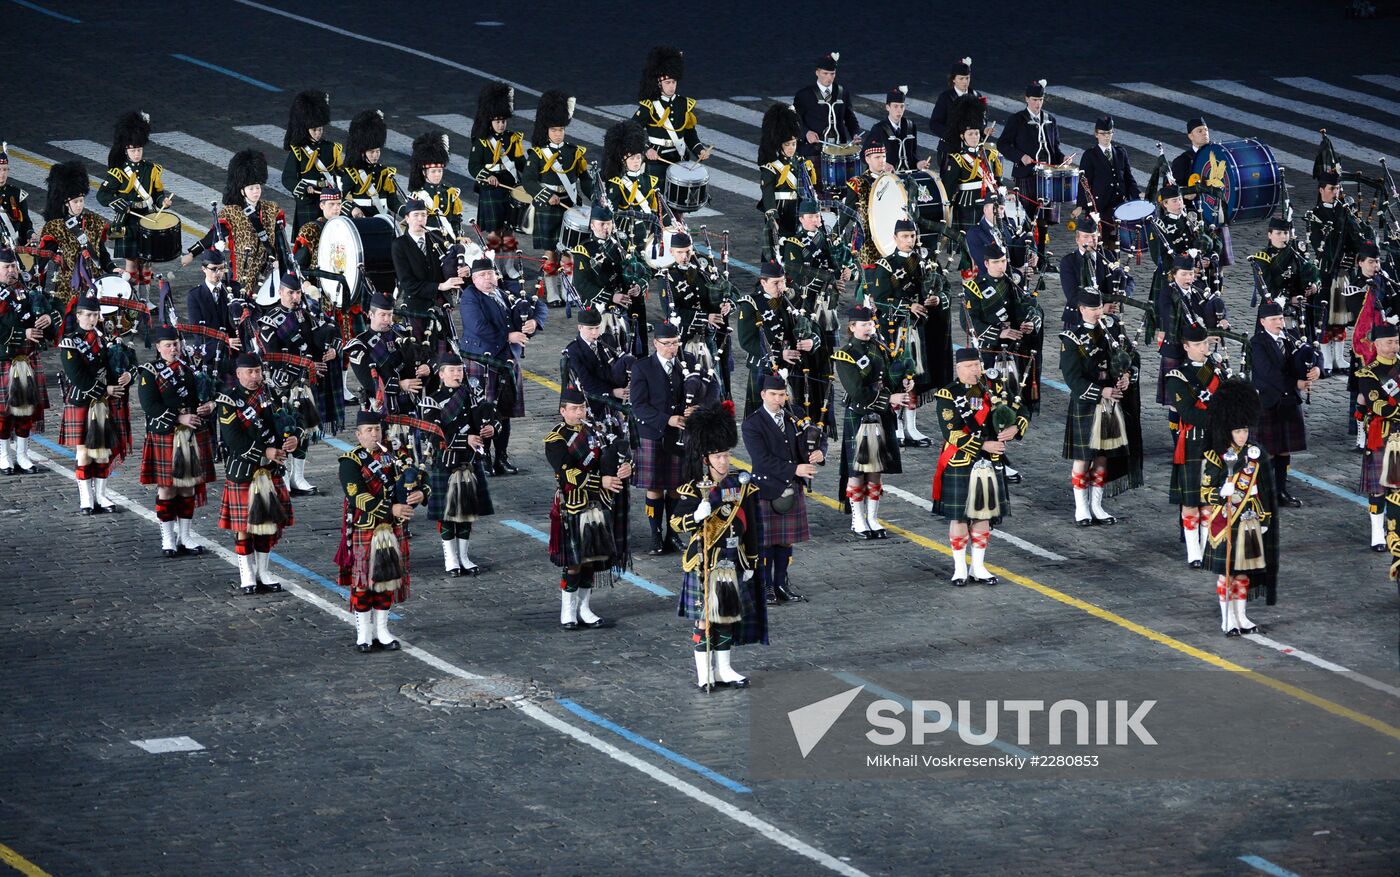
<point>162,745</point>
<point>1306,657</point>
<point>1317,86</point>
<point>1327,117</point>
<point>181,187</point>
<point>1023,544</point>
<point>270,134</point>
<point>744,817</point>
<point>1383,80</point>
<point>203,150</point>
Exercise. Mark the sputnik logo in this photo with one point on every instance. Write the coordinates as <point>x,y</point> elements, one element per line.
<point>810,723</point>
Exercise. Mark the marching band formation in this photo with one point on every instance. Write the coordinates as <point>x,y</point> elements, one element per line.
<point>384,304</point>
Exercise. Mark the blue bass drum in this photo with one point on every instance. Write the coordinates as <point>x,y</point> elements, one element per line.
<point>1246,181</point>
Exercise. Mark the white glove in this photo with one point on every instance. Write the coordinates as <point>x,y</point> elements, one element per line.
<point>702,511</point>
<point>748,574</point>
<point>1227,490</point>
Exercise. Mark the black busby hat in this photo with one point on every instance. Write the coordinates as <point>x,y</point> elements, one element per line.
<point>367,131</point>
<point>555,110</point>
<point>244,169</point>
<point>621,140</point>
<point>967,354</point>
<point>1037,88</point>
<point>590,316</point>
<point>667,61</point>
<point>828,61</point>
<point>132,129</point>
<point>571,395</point>
<point>429,150</point>
<point>897,95</point>
<point>1090,297</point>
<point>1234,406</point>
<point>961,67</point>
<point>780,124</point>
<point>496,100</point>
<point>164,332</point>
<point>310,109</point>
<point>1270,309</point>
<point>1278,223</point>
<point>709,430</point>
<point>66,180</point>
<point>1384,329</point>
<point>247,359</point>
<point>968,113</point>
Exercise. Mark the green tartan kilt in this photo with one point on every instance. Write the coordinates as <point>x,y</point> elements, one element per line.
<point>495,209</point>
<point>549,220</point>
<point>1186,477</point>
<point>1079,434</point>
<point>127,246</point>
<point>953,498</point>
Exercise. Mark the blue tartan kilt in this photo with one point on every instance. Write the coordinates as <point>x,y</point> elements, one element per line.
<point>490,378</point>
<point>1371,465</point>
<point>549,220</point>
<point>953,497</point>
<point>753,624</point>
<point>438,477</point>
<point>496,209</point>
<point>788,529</point>
<point>657,467</point>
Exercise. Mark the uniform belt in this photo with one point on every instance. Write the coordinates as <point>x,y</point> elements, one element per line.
<point>968,187</point>
<point>551,187</point>
<point>784,196</point>
<point>661,141</point>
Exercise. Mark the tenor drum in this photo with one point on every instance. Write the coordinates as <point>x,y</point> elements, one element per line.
<point>575,229</point>
<point>267,296</point>
<point>837,163</point>
<point>357,249</point>
<point>1056,184</point>
<point>687,186</point>
<point>1249,176</point>
<point>889,203</point>
<point>1131,217</point>
<point>158,238</point>
<point>928,200</point>
<point>119,320</point>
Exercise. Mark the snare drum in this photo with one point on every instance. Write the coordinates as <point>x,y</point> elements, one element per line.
<point>1249,174</point>
<point>838,163</point>
<point>1056,184</point>
<point>575,229</point>
<point>158,238</point>
<point>1131,217</point>
<point>687,186</point>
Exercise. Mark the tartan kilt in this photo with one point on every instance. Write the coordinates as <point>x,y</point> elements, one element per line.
<point>549,220</point>
<point>957,481</point>
<point>850,426</point>
<point>788,529</point>
<point>359,544</point>
<point>438,477</point>
<point>752,626</point>
<point>1079,434</point>
<point>495,208</point>
<point>40,381</point>
<point>1371,464</point>
<point>158,459</point>
<point>1281,430</point>
<point>233,507</point>
<point>126,238</point>
<point>1186,477</point>
<point>490,379</point>
<point>657,467</point>
<point>566,536</point>
<point>73,429</point>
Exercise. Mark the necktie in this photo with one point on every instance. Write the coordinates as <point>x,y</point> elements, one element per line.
<point>778,419</point>
<point>666,363</point>
<point>423,245</point>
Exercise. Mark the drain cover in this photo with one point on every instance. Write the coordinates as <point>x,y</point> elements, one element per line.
<point>491,692</point>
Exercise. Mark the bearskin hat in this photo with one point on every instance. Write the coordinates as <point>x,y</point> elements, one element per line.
<point>310,109</point>
<point>428,149</point>
<point>132,129</point>
<point>780,124</point>
<point>661,61</point>
<point>709,430</point>
<point>621,140</point>
<point>496,100</point>
<point>66,180</point>
<point>555,110</point>
<point>367,131</point>
<point>1234,406</point>
<point>244,169</point>
<point>968,111</point>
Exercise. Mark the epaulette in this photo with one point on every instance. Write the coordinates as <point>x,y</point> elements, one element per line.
<point>1366,372</point>
<point>1068,335</point>
<point>792,240</point>
<point>354,454</point>
<point>843,356</point>
<point>1177,373</point>
<point>67,340</point>
<point>580,250</point>
<point>554,435</point>
<point>1211,457</point>
<point>943,393</point>
<point>686,489</point>
<point>971,286</point>
<point>1261,256</point>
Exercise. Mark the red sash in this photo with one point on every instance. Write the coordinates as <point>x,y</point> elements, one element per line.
<point>1179,455</point>
<point>950,449</point>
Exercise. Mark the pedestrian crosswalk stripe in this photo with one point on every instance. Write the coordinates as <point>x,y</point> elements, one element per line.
<point>181,187</point>
<point>203,150</point>
<point>1383,80</point>
<point>1326,117</point>
<point>1317,86</point>
<point>269,134</point>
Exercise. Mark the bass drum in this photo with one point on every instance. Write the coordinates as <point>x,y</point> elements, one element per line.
<point>889,203</point>
<point>118,320</point>
<point>358,249</point>
<point>1249,176</point>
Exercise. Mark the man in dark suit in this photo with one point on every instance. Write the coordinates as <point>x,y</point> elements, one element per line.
<point>1031,136</point>
<point>417,258</point>
<point>593,365</point>
<point>208,304</point>
<point>657,391</point>
<point>779,455</point>
<point>492,337</point>
<point>827,112</point>
<point>1108,181</point>
<point>1086,266</point>
<point>1198,133</point>
<point>994,228</point>
<point>1283,370</point>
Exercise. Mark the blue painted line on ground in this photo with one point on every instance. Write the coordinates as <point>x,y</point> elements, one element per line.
<point>337,443</point>
<point>852,679</point>
<point>54,446</point>
<point>1260,863</point>
<point>49,12</point>
<point>1063,388</point>
<point>712,776</point>
<point>224,70</point>
<point>630,578</point>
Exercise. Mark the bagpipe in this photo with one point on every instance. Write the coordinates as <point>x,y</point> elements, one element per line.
<point>610,430</point>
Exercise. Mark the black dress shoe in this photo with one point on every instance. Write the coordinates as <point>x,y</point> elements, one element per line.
<point>297,491</point>
<point>879,533</point>
<point>742,683</point>
<point>1013,478</point>
<point>455,573</point>
<point>109,509</point>
<point>770,596</point>
<point>989,580</point>
<point>1287,499</point>
<point>1195,564</point>
<point>869,535</point>
<point>391,646</point>
<point>363,648</point>
<point>1253,628</point>
<point>570,625</point>
<point>249,589</point>
<point>86,511</point>
<point>171,553</point>
<point>788,595</point>
<point>505,467</point>
<point>589,625</point>
<point>1107,522</point>
<point>8,470</point>
<point>269,587</point>
<point>1084,522</point>
<point>917,443</point>
<point>960,582</point>
<point>1234,631</point>
<point>1378,548</point>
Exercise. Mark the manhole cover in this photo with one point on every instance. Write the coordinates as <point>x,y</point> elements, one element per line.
<point>491,692</point>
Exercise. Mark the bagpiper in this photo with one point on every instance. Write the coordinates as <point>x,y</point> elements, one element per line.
<point>1172,233</point>
<point>878,384</point>
<point>28,324</point>
<point>73,234</point>
<point>257,439</point>
<point>384,362</point>
<point>497,158</point>
<point>1190,386</point>
<point>978,415</point>
<point>1085,266</point>
<point>97,410</point>
<point>605,276</point>
<point>996,228</point>
<point>773,333</point>
<point>249,228</point>
<point>1335,234</point>
<point>427,169</point>
<point>1008,325</point>
<point>461,491</point>
<point>1184,302</point>
<point>693,296</point>
<point>1103,426</point>
<point>15,224</point>
<point>719,516</point>
<point>667,116</point>
<point>373,552</point>
<point>1282,370</point>
<point>133,190</point>
<point>1107,181</point>
<point>783,176</point>
<point>820,270</point>
<point>210,304</point>
<point>632,192</point>
<point>1241,518</point>
<point>1378,385</point>
<point>594,365</point>
<point>369,187</point>
<point>312,162</point>
<point>585,536</point>
<point>177,455</point>
<point>556,171</point>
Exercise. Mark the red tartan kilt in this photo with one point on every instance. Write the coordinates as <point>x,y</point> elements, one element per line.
<point>656,467</point>
<point>74,427</point>
<point>158,458</point>
<point>39,380</point>
<point>359,562</point>
<point>233,508</point>
<point>788,529</point>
